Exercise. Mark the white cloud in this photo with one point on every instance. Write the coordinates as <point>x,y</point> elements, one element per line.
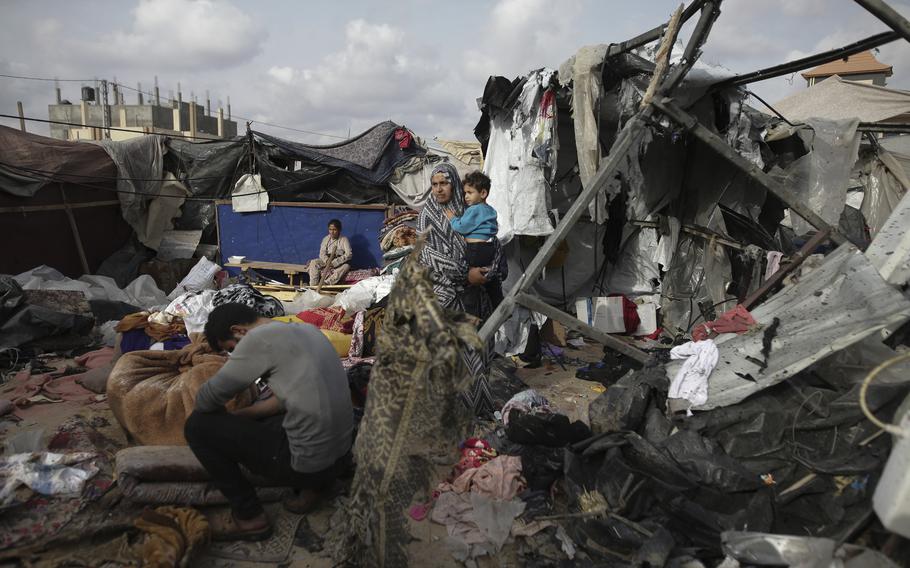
<point>380,73</point>
<point>182,34</point>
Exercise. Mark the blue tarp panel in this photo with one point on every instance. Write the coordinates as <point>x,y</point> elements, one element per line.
<point>293,234</point>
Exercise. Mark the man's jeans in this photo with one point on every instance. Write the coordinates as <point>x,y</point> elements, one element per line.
<point>223,442</point>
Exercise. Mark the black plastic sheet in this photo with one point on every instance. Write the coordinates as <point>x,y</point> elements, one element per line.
<point>11,296</point>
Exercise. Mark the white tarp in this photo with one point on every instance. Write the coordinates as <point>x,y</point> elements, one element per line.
<point>839,99</point>
<point>841,302</point>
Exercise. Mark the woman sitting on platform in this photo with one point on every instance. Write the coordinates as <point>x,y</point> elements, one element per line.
<point>334,255</point>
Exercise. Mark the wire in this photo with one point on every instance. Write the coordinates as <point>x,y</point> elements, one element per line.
<point>111,128</point>
<point>50,178</point>
<point>774,110</point>
<point>890,428</point>
<point>48,79</point>
<point>107,178</point>
<point>169,99</point>
<point>152,94</point>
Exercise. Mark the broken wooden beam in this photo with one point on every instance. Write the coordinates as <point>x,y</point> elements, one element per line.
<point>571,322</point>
<point>795,261</point>
<point>716,143</point>
<point>888,15</point>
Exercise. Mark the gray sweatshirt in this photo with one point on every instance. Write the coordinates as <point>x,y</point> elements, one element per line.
<point>304,371</point>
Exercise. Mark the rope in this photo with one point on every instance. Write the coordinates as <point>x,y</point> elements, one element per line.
<point>890,428</point>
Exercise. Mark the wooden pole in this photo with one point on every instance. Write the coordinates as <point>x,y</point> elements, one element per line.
<point>75,230</point>
<point>797,259</point>
<point>21,116</point>
<point>538,305</point>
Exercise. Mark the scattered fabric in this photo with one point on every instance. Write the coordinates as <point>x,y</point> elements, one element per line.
<point>355,276</point>
<point>267,306</point>
<point>173,536</point>
<point>155,331</point>
<point>474,453</point>
<point>476,525</point>
<point>526,401</point>
<point>499,478</point>
<point>691,381</point>
<point>737,320</point>
<point>773,259</point>
<point>332,318</point>
<point>46,473</point>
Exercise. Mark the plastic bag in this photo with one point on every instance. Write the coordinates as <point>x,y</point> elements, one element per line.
<point>11,296</point>
<point>194,308</point>
<point>308,300</point>
<point>200,278</point>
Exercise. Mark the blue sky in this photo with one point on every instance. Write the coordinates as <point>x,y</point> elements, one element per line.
<point>339,67</point>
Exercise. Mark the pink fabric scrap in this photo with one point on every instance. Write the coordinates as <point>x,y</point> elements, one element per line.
<point>738,320</point>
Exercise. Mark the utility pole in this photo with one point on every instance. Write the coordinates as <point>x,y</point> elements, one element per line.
<point>105,110</point>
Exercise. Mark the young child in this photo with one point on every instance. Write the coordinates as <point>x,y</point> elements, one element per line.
<point>479,227</point>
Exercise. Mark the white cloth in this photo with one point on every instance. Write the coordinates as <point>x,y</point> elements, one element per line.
<point>521,146</point>
<point>691,381</point>
<point>773,263</point>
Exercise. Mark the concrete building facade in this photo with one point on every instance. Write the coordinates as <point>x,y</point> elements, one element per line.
<point>178,118</point>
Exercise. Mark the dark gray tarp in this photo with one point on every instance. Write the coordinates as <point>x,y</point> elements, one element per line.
<point>370,157</point>
<point>28,162</point>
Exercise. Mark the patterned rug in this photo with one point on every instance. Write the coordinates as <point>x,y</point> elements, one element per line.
<point>276,550</point>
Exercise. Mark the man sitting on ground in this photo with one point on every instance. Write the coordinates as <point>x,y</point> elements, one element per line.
<point>300,437</point>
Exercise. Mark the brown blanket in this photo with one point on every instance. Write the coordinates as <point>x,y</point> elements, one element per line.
<point>152,393</point>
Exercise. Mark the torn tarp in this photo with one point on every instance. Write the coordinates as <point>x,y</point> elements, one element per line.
<point>370,157</point>
<point>833,307</point>
<point>28,162</point>
<point>820,178</point>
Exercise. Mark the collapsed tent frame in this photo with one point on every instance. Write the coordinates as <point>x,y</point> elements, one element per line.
<point>663,105</point>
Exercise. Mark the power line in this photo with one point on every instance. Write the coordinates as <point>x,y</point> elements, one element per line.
<point>173,100</point>
<point>48,79</point>
<point>169,99</point>
<point>51,177</point>
<point>114,128</point>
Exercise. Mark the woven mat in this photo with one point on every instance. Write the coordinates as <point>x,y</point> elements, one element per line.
<point>276,550</point>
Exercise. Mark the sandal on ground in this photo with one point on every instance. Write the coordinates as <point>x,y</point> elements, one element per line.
<point>225,528</point>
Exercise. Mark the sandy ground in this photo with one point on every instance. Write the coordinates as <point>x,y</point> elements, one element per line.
<point>568,394</point>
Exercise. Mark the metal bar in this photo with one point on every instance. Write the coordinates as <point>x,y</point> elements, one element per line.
<point>571,322</point>
<point>797,259</point>
<point>810,61</point>
<point>57,207</point>
<point>370,207</point>
<point>888,15</point>
<point>709,13</point>
<point>627,137</point>
<point>887,127</point>
<point>21,116</point>
<point>652,34</point>
<point>785,194</point>
<point>75,229</point>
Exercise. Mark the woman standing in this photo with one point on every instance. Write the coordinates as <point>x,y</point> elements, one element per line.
<point>444,254</point>
<point>334,255</point>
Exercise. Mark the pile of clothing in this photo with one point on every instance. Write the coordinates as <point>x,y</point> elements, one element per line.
<point>396,238</point>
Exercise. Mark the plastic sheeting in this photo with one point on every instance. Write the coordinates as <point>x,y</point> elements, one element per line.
<point>884,182</point>
<point>833,307</point>
<point>52,161</point>
<point>371,156</point>
<point>841,99</point>
<point>140,166</point>
<point>820,178</point>
<point>142,291</point>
